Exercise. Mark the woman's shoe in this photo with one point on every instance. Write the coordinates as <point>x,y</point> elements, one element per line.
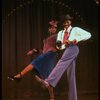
<point>12,78</point>
<point>17,79</point>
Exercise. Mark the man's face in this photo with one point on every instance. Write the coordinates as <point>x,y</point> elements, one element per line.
<point>67,23</point>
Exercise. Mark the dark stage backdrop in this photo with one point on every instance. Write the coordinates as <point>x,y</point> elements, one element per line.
<point>24,26</point>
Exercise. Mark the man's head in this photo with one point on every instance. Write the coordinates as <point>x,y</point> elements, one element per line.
<point>67,20</point>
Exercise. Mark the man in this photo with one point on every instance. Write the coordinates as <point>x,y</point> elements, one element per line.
<point>67,39</point>
<point>45,62</point>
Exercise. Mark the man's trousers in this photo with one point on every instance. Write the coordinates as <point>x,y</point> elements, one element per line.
<point>66,63</point>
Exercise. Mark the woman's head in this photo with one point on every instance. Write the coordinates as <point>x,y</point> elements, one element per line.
<point>52,29</point>
<point>53,26</point>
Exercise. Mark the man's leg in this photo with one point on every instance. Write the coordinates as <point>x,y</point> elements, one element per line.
<point>72,93</point>
<point>69,55</point>
<point>51,92</point>
<point>50,88</point>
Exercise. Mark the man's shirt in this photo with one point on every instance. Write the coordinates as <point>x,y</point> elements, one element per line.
<point>75,33</point>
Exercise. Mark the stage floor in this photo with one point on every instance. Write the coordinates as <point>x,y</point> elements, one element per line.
<point>80,97</point>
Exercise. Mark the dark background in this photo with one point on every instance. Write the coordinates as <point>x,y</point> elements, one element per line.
<point>24,26</point>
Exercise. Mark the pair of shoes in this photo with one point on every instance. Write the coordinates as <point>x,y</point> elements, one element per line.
<point>12,78</point>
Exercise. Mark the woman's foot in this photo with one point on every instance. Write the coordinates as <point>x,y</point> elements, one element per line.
<point>16,78</point>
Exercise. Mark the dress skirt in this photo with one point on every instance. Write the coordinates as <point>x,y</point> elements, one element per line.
<point>44,64</point>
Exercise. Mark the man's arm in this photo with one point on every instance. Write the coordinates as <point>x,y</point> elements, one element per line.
<point>79,34</point>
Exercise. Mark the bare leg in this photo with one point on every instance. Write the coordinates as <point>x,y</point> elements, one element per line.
<point>51,93</point>
<point>24,71</point>
<point>50,88</point>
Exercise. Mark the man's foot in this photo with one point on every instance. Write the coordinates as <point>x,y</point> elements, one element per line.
<point>43,82</point>
<point>39,80</point>
<point>46,84</point>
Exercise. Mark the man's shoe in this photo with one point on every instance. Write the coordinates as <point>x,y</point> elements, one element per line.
<point>39,80</point>
<point>46,84</point>
<point>43,82</point>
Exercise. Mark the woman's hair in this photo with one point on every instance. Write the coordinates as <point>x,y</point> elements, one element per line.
<point>53,23</point>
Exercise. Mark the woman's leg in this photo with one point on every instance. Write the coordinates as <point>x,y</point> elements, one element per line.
<point>24,71</point>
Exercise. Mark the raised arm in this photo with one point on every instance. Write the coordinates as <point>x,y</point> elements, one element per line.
<point>34,50</point>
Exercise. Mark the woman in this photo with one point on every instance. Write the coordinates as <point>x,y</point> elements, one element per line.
<point>45,62</point>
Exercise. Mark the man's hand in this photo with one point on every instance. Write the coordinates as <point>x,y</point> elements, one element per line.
<point>67,42</point>
<point>74,41</point>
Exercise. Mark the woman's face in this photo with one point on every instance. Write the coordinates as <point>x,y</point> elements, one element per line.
<point>53,30</point>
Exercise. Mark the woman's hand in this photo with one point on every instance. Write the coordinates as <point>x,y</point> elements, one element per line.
<point>30,52</point>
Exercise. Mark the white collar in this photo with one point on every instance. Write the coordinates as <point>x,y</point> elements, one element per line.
<point>69,28</point>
